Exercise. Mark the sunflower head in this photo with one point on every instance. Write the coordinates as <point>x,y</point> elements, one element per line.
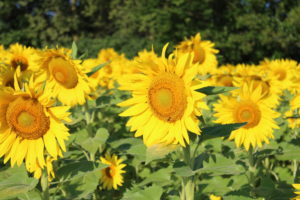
<point>64,77</point>
<point>164,103</point>
<point>23,57</point>
<point>204,53</point>
<point>111,176</point>
<point>31,126</point>
<point>247,105</point>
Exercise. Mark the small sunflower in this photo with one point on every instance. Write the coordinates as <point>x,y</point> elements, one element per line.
<point>164,104</point>
<point>64,78</point>
<point>6,76</point>
<point>282,70</point>
<point>245,74</point>
<point>297,187</point>
<point>247,106</point>
<point>204,53</point>
<point>30,127</point>
<point>111,176</point>
<point>21,56</point>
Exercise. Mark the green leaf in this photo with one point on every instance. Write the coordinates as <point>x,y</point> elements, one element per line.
<point>91,144</point>
<point>15,181</point>
<point>95,69</point>
<point>74,50</point>
<point>71,170</point>
<point>160,177</point>
<point>34,194</point>
<point>289,152</point>
<point>220,130</point>
<point>220,165</point>
<point>153,192</point>
<point>83,184</point>
<point>213,90</point>
<point>181,169</point>
<point>158,151</point>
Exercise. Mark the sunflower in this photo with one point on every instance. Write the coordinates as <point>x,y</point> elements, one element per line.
<point>252,73</point>
<point>21,56</point>
<point>6,76</point>
<point>65,80</point>
<point>164,104</point>
<point>109,74</point>
<point>297,187</point>
<point>111,176</point>
<point>30,126</point>
<point>204,53</point>
<point>247,106</point>
<point>282,70</point>
<point>223,76</point>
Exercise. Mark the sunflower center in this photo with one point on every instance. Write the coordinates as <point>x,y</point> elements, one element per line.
<point>19,61</point>
<point>27,119</point>
<point>110,171</point>
<point>249,113</point>
<point>281,74</point>
<point>63,72</point>
<point>225,80</point>
<point>199,56</point>
<point>167,97</point>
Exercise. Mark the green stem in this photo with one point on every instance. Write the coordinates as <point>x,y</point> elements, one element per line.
<point>295,168</point>
<point>252,170</point>
<point>188,185</point>
<point>45,185</point>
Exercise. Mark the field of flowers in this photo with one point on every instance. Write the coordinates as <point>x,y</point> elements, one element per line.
<point>171,125</point>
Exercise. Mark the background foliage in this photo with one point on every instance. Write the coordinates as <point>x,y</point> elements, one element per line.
<point>244,30</point>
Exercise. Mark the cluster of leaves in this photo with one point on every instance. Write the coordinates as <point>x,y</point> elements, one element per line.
<point>129,26</point>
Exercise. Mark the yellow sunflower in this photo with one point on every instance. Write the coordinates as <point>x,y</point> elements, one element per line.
<point>204,53</point>
<point>30,127</point>
<point>109,74</point>
<point>252,73</point>
<point>297,187</point>
<point>282,70</point>
<point>223,76</point>
<point>65,80</point>
<point>111,176</point>
<point>24,57</point>
<point>164,104</point>
<point>6,76</point>
<point>247,106</point>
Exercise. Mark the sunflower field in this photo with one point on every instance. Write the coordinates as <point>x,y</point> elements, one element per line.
<point>171,125</point>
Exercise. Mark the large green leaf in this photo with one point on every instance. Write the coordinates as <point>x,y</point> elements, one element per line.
<point>289,152</point>
<point>220,130</point>
<point>220,165</point>
<point>91,144</point>
<point>153,192</point>
<point>15,181</point>
<point>213,90</point>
